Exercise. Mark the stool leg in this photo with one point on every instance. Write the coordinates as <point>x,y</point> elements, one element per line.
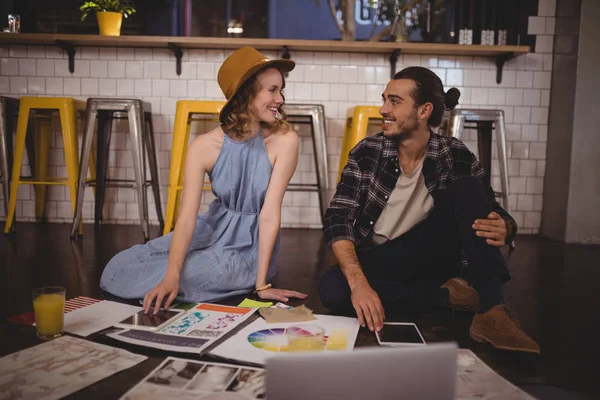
<point>68,122</point>
<point>177,161</point>
<point>136,129</point>
<point>17,161</point>
<point>104,135</point>
<point>320,155</point>
<point>43,136</point>
<point>502,159</point>
<point>151,149</point>
<point>484,146</point>
<point>86,146</point>
<point>4,133</point>
<point>456,125</point>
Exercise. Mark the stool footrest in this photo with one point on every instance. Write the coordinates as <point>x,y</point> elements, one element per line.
<point>305,188</point>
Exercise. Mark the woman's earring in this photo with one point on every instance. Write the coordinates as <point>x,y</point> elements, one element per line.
<point>278,115</point>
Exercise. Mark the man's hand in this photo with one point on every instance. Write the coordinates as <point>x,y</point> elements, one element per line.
<point>368,306</point>
<point>494,229</point>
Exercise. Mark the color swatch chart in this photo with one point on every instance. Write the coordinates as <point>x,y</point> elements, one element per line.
<point>275,339</point>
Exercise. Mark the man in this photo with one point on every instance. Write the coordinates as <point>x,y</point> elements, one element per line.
<point>409,211</point>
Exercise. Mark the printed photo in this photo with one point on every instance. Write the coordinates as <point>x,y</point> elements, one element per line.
<point>205,333</point>
<point>175,374</point>
<point>250,382</point>
<point>213,378</point>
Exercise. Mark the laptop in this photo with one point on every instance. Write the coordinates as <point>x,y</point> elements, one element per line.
<point>414,373</point>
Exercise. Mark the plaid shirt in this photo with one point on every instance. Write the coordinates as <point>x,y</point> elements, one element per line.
<point>372,172</point>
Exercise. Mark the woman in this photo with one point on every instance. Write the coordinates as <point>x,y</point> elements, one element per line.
<point>250,159</point>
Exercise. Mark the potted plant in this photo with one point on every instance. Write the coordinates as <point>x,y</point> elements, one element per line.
<point>109,14</point>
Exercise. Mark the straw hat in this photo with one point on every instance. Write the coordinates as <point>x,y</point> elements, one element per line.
<point>240,66</point>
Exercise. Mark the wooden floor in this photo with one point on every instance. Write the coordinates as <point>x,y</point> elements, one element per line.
<point>554,291</point>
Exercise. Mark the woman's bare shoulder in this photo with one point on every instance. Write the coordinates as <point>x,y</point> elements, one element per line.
<point>288,138</point>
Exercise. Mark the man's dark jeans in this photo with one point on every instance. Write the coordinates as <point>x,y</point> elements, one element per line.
<point>407,272</point>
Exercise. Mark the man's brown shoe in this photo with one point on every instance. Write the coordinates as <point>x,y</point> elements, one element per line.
<point>462,296</point>
<point>499,327</point>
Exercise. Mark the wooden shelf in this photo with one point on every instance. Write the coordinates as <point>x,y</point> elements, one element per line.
<point>262,44</point>
<point>177,44</point>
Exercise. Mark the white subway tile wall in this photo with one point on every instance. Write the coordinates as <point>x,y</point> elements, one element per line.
<point>339,81</point>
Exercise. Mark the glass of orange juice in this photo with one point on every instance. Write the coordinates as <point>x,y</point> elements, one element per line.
<point>49,310</point>
<point>305,338</point>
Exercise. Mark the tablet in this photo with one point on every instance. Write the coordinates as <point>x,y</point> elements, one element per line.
<point>150,321</point>
<point>400,334</point>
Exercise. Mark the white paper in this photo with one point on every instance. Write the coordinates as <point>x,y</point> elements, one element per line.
<point>178,378</point>
<point>97,317</point>
<point>340,332</point>
<point>475,380</point>
<point>194,331</point>
<point>60,367</point>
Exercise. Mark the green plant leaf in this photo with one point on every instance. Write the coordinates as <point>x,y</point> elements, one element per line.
<point>124,7</point>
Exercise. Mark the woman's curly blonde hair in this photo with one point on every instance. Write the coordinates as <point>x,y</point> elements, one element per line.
<point>239,114</point>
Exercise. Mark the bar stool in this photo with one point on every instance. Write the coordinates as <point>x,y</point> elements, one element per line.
<point>141,131</point>
<point>8,108</point>
<point>356,130</point>
<point>316,115</point>
<point>483,120</point>
<point>184,115</point>
<point>67,108</point>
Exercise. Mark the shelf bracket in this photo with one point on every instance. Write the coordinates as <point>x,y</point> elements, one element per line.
<point>70,49</point>
<point>500,60</point>
<point>178,53</point>
<point>285,54</point>
<point>393,61</point>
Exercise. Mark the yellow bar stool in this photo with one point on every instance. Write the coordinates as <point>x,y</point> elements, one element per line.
<point>356,130</point>
<point>184,115</point>
<point>42,108</point>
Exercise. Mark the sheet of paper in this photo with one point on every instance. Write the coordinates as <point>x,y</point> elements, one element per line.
<point>194,331</point>
<point>60,367</point>
<point>97,317</point>
<point>255,304</point>
<point>178,378</point>
<point>475,380</point>
<point>261,340</point>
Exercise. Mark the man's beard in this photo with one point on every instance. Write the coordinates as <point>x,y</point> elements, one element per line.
<point>406,127</point>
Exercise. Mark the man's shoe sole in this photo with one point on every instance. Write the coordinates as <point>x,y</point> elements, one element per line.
<point>483,339</point>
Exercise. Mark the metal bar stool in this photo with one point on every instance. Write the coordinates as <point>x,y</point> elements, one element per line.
<point>316,113</point>
<point>139,114</point>
<point>484,121</point>
<point>184,115</point>
<point>9,110</point>
<point>355,131</point>
<point>42,108</point>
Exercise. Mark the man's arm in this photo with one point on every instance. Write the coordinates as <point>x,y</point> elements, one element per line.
<point>509,223</point>
<point>365,300</point>
<point>339,234</point>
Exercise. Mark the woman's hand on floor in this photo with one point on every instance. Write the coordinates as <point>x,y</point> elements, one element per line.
<point>166,290</point>
<point>280,294</point>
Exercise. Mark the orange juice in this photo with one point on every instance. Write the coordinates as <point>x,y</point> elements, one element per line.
<point>48,306</point>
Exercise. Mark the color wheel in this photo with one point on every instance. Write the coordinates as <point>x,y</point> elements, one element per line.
<point>275,339</point>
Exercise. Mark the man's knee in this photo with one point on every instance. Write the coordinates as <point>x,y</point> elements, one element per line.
<point>334,291</point>
<point>468,184</point>
<point>468,192</point>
